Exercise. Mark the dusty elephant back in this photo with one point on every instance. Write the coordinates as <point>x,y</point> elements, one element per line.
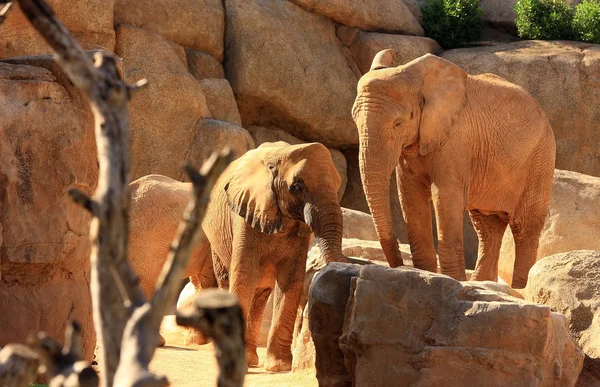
<point>519,146</point>
<point>156,209</point>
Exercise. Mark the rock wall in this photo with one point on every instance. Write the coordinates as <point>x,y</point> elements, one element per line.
<point>47,146</point>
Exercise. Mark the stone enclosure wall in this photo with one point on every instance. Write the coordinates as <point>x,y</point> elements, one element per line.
<point>223,72</point>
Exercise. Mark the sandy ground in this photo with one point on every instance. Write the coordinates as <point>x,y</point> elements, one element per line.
<point>196,366</point>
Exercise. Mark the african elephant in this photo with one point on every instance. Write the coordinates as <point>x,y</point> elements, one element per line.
<point>259,222</point>
<point>476,143</point>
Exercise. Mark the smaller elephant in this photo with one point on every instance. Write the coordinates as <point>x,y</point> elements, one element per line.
<point>262,211</point>
<point>476,143</point>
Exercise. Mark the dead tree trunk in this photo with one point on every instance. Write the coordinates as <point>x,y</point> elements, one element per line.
<point>219,316</point>
<point>126,323</point>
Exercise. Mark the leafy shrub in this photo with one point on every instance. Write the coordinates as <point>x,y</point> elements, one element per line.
<point>452,22</point>
<point>586,22</point>
<point>544,19</point>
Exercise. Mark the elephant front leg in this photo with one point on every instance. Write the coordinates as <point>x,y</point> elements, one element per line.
<point>415,195</point>
<point>244,274</point>
<point>286,299</point>
<point>255,315</point>
<point>449,206</point>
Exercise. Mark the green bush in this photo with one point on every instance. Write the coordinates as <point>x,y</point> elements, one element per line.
<point>452,22</point>
<point>544,19</point>
<point>586,22</point>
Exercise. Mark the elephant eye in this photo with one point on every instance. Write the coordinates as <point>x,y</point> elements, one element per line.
<point>297,187</point>
<point>397,123</point>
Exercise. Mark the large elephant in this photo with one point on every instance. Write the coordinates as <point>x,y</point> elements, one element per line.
<point>258,222</point>
<point>477,143</point>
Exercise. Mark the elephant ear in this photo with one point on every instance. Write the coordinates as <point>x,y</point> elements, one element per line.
<point>250,192</point>
<point>444,95</point>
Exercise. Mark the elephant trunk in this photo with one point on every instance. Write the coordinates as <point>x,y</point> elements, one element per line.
<point>326,222</point>
<point>376,167</point>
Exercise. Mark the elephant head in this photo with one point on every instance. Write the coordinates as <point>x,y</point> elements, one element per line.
<point>406,109</point>
<point>278,182</point>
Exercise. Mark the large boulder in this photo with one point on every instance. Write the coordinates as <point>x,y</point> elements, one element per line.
<point>570,97</point>
<point>287,69</point>
<point>358,225</point>
<point>573,221</point>
<point>402,16</point>
<point>220,100</point>
<point>89,21</point>
<point>162,117</point>
<point>203,66</point>
<point>47,146</point>
<point>365,45</point>
<point>273,134</point>
<point>213,136</point>
<point>438,331</point>
<point>569,283</point>
<point>198,24</point>
<point>501,13</point>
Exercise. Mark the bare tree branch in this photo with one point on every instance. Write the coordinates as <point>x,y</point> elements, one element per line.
<point>218,315</point>
<point>18,365</point>
<point>5,10</point>
<point>64,365</point>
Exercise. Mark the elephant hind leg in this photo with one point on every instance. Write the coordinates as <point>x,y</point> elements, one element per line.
<point>526,233</point>
<point>490,230</point>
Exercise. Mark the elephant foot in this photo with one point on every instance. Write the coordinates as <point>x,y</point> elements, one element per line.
<point>275,364</point>
<point>252,357</point>
<point>161,341</point>
<point>195,336</point>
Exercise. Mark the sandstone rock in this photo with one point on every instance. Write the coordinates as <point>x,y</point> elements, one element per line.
<point>573,221</point>
<point>262,134</point>
<point>90,22</point>
<point>47,145</point>
<point>569,283</point>
<point>163,117</point>
<point>203,66</point>
<point>213,136</point>
<point>375,15</point>
<point>501,13</point>
<point>358,225</point>
<point>273,134</point>
<point>328,296</point>
<point>287,69</point>
<point>220,100</point>
<point>437,330</point>
<point>198,24</point>
<point>574,112</point>
<point>365,45</point>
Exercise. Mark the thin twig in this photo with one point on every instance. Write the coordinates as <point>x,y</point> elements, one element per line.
<point>5,10</point>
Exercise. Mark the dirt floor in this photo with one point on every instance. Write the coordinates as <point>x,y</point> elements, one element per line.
<point>196,366</point>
